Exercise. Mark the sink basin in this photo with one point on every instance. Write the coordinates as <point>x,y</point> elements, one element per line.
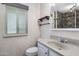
<point>57,45</point>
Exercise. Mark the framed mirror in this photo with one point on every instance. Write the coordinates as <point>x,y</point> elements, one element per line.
<point>65,15</point>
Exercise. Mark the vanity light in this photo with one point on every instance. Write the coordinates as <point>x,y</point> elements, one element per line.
<point>68,7</point>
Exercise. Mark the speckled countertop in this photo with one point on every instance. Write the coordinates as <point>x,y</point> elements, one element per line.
<point>69,50</point>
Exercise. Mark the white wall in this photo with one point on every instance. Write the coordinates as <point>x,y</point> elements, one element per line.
<point>44,29</point>
<point>44,9</point>
<point>66,34</point>
<point>17,45</point>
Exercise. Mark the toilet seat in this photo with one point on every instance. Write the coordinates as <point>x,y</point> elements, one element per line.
<point>32,51</point>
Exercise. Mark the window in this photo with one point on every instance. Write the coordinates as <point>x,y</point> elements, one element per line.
<point>16,20</point>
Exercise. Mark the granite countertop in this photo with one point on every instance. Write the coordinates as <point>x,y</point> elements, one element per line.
<point>69,50</point>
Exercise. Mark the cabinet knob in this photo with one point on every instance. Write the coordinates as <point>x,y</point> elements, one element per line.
<point>45,52</point>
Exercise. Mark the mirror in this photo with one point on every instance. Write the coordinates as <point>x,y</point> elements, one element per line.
<point>65,15</point>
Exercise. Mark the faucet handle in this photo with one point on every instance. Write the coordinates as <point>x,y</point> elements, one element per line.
<point>65,41</point>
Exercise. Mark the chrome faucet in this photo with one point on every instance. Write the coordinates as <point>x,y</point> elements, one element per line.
<point>63,41</point>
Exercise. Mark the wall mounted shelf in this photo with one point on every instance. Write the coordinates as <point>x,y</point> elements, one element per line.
<point>43,20</point>
<point>46,17</point>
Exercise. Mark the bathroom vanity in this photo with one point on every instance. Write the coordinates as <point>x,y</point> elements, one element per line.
<point>46,51</point>
<point>50,47</point>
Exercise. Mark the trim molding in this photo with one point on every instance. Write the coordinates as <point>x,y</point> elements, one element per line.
<point>18,5</point>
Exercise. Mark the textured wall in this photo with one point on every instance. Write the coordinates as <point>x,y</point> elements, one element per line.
<point>17,45</point>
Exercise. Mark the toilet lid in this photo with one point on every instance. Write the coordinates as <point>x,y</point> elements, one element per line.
<point>32,50</point>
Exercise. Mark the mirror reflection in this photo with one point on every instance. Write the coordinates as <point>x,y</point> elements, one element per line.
<point>65,15</point>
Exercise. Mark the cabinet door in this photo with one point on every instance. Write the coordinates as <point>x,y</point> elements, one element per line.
<point>53,53</point>
<point>42,50</point>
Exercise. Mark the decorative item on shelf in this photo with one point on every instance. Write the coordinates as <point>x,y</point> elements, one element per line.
<point>43,20</point>
<point>46,17</point>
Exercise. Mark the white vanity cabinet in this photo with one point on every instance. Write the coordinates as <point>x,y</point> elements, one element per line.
<point>46,51</point>
<point>42,50</point>
<point>53,53</point>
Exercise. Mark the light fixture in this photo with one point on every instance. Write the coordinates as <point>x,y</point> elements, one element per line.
<point>68,7</point>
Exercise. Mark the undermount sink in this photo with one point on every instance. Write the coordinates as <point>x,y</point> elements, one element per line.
<point>57,45</point>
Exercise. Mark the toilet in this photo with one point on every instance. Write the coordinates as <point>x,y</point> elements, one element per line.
<point>33,51</point>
